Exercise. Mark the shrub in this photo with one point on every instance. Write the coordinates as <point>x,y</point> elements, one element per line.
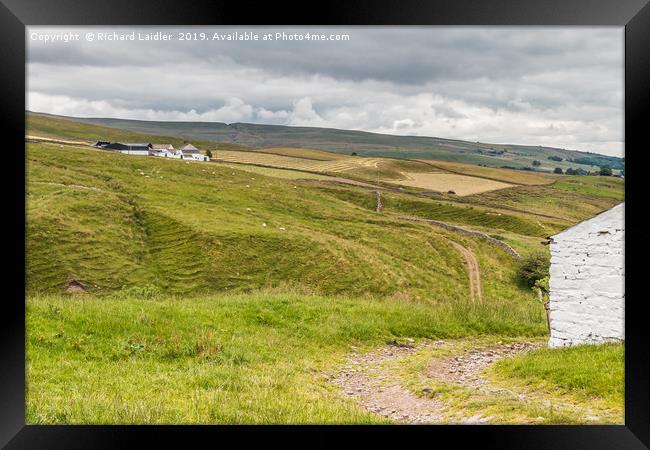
<point>606,171</point>
<point>558,170</point>
<point>533,268</point>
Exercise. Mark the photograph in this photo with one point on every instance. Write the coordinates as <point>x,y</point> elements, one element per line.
<point>324,225</point>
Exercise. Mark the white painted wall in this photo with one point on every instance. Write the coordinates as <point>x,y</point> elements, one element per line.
<point>587,283</point>
<point>135,152</point>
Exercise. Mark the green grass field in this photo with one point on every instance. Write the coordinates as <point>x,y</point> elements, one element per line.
<point>571,198</point>
<point>256,358</point>
<point>589,375</point>
<point>222,293</point>
<point>113,220</point>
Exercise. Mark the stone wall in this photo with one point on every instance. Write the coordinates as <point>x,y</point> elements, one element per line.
<point>587,283</point>
<point>511,251</point>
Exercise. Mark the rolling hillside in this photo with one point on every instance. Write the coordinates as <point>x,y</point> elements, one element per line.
<point>362,143</point>
<point>230,291</point>
<point>192,228</point>
<point>542,204</point>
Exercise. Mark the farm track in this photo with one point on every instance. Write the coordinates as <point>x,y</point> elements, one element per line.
<point>72,186</point>
<point>373,380</point>
<point>47,140</point>
<point>473,272</point>
<point>471,263</point>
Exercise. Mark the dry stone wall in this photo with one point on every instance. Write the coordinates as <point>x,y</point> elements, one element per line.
<point>511,251</point>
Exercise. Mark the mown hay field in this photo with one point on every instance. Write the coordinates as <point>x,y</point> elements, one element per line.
<point>307,153</point>
<point>359,167</point>
<point>445,182</point>
<point>505,175</point>
<point>287,174</point>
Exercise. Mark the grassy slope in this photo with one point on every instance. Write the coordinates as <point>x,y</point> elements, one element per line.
<point>588,373</point>
<point>223,359</point>
<point>55,127</point>
<point>195,231</point>
<point>113,220</point>
<point>571,198</point>
<point>505,214</point>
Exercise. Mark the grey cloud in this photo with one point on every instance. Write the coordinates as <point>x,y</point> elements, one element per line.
<point>458,82</point>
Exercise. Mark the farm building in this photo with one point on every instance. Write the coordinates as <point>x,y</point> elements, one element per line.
<point>164,151</point>
<point>190,152</point>
<point>129,148</point>
<point>587,281</point>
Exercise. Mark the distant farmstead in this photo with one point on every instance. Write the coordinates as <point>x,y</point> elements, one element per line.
<point>187,152</point>
<point>587,282</point>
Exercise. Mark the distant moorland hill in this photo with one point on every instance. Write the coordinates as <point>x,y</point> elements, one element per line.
<point>366,144</point>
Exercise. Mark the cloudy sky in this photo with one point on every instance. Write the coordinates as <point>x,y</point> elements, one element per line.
<point>555,86</point>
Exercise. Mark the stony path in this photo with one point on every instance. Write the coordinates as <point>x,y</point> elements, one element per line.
<point>465,368</point>
<point>379,391</point>
<point>365,379</point>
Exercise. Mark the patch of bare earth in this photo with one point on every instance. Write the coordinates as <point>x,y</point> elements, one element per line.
<point>366,378</point>
<point>466,368</point>
<point>379,391</point>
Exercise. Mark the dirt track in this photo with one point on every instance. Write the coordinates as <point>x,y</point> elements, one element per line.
<point>473,272</point>
<point>367,379</point>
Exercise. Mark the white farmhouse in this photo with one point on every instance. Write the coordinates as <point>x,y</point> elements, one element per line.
<point>192,153</point>
<point>164,151</point>
<point>587,282</point>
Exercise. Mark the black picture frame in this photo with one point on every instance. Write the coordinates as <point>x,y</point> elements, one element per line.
<point>16,14</point>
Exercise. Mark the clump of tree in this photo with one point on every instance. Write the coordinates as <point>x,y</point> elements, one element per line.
<point>572,171</point>
<point>554,158</point>
<point>353,154</point>
<point>558,170</point>
<point>605,171</point>
<point>533,269</point>
<point>537,163</point>
<point>600,160</point>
